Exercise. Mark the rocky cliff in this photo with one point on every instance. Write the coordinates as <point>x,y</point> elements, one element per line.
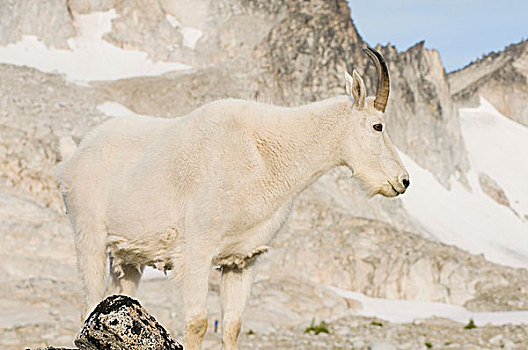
<point>501,78</point>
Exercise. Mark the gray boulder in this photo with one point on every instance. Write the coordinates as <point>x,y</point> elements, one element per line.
<point>120,322</point>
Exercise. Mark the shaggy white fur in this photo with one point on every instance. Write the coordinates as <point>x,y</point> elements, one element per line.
<point>214,186</point>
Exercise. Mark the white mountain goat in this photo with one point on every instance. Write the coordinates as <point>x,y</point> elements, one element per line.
<point>214,187</point>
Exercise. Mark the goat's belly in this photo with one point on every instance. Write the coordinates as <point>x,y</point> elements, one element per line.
<point>156,250</point>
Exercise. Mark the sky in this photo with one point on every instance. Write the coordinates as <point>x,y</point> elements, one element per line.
<point>461,30</point>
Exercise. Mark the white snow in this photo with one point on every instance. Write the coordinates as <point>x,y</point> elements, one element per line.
<point>190,35</point>
<point>468,218</point>
<point>498,147</point>
<point>405,311</point>
<point>172,20</point>
<point>90,57</point>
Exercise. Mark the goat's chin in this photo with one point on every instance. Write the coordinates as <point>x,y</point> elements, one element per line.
<point>388,191</point>
<point>385,190</point>
<point>374,186</point>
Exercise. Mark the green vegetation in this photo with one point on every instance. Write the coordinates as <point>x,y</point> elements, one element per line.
<point>470,325</point>
<point>250,332</point>
<point>376,323</point>
<point>322,327</point>
<point>428,345</point>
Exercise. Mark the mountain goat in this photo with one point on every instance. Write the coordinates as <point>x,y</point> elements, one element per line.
<point>214,187</point>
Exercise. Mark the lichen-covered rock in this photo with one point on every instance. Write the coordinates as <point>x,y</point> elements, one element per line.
<point>120,322</point>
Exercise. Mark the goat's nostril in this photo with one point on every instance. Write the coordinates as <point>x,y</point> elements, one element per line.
<point>406,183</point>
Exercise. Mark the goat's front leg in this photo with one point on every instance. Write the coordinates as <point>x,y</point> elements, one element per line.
<point>235,288</point>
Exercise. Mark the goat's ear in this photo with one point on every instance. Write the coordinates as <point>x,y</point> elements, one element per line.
<point>356,87</point>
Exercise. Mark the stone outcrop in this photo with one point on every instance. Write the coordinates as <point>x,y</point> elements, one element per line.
<point>323,246</point>
<point>120,322</point>
<point>50,21</point>
<point>501,78</point>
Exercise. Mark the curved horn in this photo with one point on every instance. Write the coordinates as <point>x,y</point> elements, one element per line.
<point>382,93</point>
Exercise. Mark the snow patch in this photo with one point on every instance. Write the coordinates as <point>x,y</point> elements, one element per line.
<point>498,147</point>
<point>190,35</point>
<point>466,218</point>
<point>90,57</point>
<point>404,311</point>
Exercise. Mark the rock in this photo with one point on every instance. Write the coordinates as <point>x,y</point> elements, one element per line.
<point>501,78</point>
<point>497,340</point>
<point>493,190</point>
<point>377,345</point>
<point>509,345</point>
<point>120,322</point>
<point>51,21</point>
<point>45,105</point>
<point>381,261</point>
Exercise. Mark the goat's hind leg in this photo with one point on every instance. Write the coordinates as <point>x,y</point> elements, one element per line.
<point>235,288</point>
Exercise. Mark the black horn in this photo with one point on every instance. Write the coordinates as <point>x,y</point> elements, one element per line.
<point>382,93</point>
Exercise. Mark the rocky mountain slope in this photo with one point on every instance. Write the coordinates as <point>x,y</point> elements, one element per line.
<point>284,52</point>
<point>501,78</point>
<point>40,290</point>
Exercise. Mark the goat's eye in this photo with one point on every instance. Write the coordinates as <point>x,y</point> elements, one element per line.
<point>378,127</point>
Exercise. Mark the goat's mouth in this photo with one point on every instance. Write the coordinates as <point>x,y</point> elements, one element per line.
<point>386,190</point>
<point>389,190</point>
<point>396,190</point>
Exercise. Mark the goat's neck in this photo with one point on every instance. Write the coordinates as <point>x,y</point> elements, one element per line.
<point>302,145</point>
